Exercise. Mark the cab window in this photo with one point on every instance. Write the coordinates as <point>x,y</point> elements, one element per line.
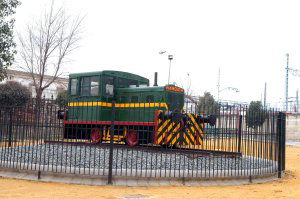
<point>90,86</point>
<point>73,89</point>
<point>85,86</point>
<point>94,86</point>
<point>108,86</point>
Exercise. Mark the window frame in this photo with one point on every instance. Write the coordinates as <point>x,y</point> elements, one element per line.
<point>76,88</point>
<point>89,86</point>
<point>107,80</point>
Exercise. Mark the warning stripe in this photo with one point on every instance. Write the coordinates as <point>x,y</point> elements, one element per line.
<point>188,135</point>
<point>194,122</point>
<point>173,132</point>
<point>197,126</point>
<point>163,125</point>
<point>172,139</point>
<point>170,132</point>
<point>164,128</point>
<point>181,141</point>
<point>169,127</point>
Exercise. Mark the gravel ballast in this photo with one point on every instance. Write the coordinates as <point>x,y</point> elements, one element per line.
<point>98,158</point>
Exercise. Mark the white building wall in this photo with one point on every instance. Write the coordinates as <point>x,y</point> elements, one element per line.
<point>25,80</point>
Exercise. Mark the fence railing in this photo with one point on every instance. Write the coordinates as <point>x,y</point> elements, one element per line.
<point>142,140</point>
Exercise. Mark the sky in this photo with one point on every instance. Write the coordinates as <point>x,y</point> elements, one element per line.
<point>247,40</point>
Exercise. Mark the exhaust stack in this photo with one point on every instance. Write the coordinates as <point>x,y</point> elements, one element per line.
<point>155,79</point>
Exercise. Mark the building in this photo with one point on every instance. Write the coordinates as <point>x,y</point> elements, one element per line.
<point>190,103</point>
<point>24,78</point>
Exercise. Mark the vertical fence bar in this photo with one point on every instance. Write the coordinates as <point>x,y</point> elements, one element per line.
<point>10,127</point>
<point>240,133</point>
<point>111,145</point>
<point>283,134</point>
<point>281,142</point>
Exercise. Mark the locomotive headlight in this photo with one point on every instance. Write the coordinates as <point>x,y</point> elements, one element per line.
<point>60,114</point>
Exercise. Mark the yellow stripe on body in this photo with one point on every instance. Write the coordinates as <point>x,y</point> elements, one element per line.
<point>121,105</point>
<point>107,104</point>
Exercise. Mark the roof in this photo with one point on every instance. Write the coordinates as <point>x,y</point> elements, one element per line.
<point>112,73</point>
<point>28,74</point>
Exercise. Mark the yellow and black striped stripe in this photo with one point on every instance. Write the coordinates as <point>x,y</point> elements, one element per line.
<point>177,133</point>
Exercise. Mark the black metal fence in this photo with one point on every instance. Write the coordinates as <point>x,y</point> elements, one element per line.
<point>130,144</point>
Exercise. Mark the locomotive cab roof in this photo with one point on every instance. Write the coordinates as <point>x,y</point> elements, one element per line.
<point>112,73</point>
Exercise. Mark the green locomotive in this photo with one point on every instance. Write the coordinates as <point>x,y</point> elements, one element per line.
<point>141,114</point>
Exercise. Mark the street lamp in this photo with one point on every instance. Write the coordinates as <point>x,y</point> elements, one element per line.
<point>227,88</point>
<point>170,58</point>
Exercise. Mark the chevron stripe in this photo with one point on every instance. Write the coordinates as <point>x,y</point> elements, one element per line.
<point>168,132</point>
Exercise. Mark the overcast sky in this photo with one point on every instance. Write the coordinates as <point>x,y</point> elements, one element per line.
<point>247,40</point>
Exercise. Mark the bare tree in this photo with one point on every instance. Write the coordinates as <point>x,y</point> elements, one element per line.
<point>190,100</point>
<point>46,44</point>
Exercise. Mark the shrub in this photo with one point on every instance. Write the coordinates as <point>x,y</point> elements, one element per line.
<point>62,98</point>
<point>256,115</point>
<point>207,104</point>
<point>13,94</point>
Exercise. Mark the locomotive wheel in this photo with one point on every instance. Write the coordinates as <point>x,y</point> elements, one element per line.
<point>132,138</point>
<point>96,136</point>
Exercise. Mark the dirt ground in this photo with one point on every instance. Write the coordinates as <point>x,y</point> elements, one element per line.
<point>288,187</point>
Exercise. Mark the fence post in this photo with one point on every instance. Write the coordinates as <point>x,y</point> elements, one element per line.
<point>283,134</point>
<point>10,128</point>
<point>281,142</point>
<point>240,133</point>
<point>111,145</point>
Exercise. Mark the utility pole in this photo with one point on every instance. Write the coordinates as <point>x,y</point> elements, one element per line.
<point>297,101</point>
<point>170,57</point>
<point>218,85</point>
<point>265,95</point>
<point>287,83</point>
<point>294,72</point>
<point>226,88</point>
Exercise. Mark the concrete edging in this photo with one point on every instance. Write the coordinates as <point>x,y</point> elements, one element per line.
<point>140,178</point>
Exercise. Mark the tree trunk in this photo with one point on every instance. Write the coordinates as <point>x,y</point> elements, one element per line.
<point>39,93</point>
<point>37,113</point>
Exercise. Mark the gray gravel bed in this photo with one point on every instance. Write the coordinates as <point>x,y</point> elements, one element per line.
<point>96,157</point>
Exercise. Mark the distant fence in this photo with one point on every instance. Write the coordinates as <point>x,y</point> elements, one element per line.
<point>141,140</point>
